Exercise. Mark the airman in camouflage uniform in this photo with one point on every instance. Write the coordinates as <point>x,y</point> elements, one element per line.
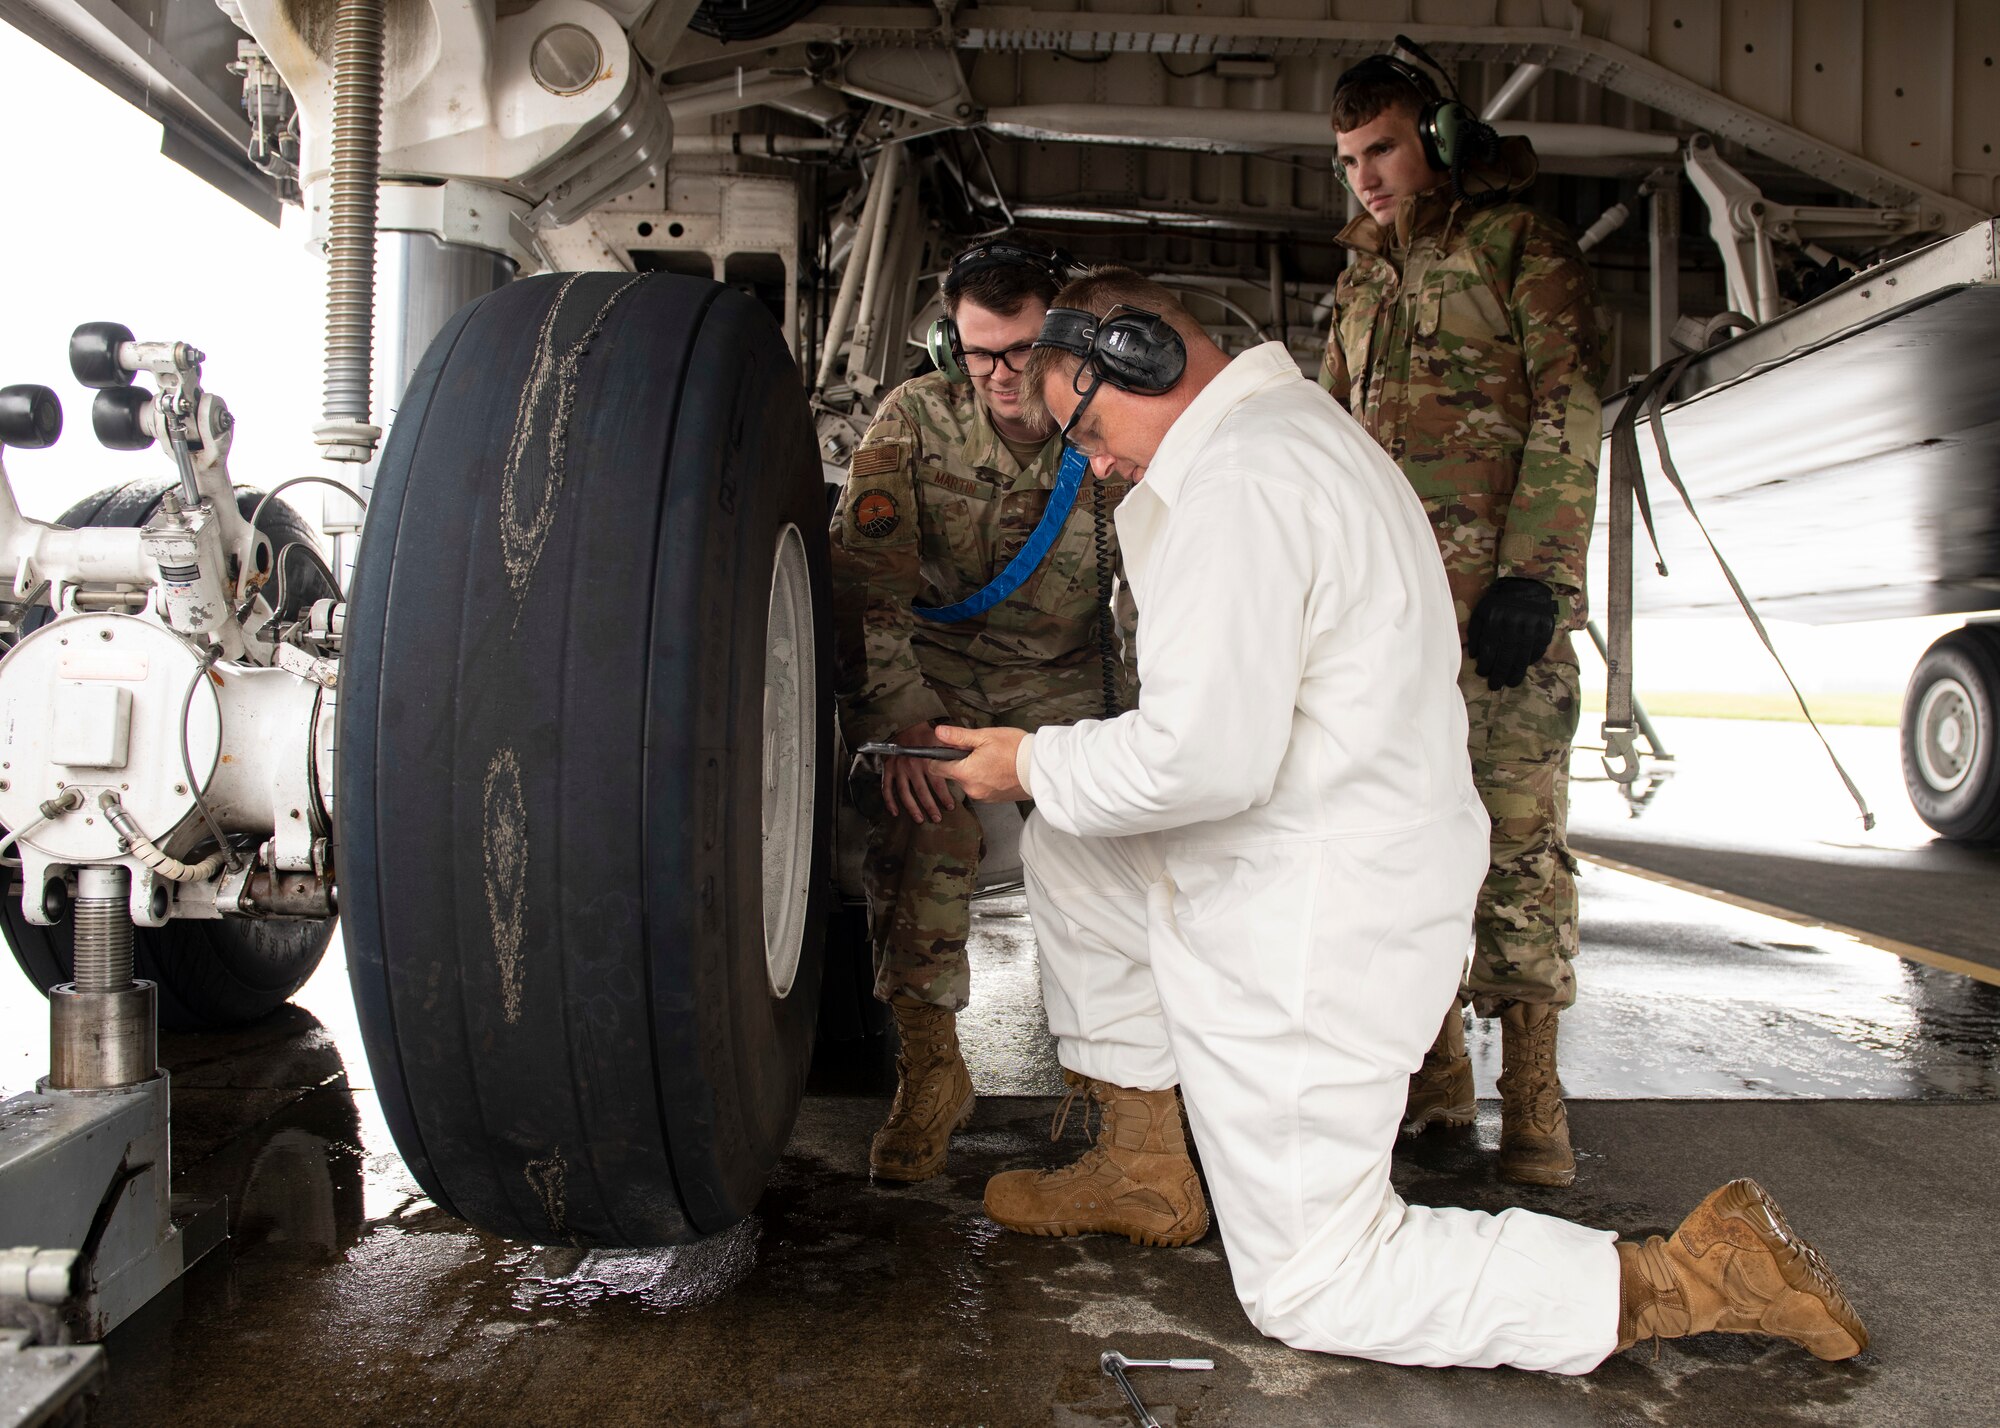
<point>1465,339</point>
<point>936,505</point>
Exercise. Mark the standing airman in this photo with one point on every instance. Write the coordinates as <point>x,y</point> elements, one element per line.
<point>1465,340</point>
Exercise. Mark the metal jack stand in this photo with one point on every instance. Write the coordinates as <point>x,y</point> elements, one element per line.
<point>84,1172</point>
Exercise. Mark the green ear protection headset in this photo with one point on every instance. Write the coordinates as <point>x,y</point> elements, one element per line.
<point>1450,132</point>
<point>947,352</point>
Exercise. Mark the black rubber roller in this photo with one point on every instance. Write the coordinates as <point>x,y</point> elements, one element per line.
<point>118,417</point>
<point>30,416</point>
<point>93,354</point>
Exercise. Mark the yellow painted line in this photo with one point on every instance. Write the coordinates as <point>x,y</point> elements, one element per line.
<point>1943,961</point>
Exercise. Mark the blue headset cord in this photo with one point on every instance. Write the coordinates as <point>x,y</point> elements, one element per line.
<point>1069,477</point>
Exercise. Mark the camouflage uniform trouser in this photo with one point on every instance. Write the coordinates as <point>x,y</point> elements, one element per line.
<point>1524,925</point>
<point>919,877</point>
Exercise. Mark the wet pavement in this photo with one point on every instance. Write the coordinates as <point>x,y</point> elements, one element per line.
<point>1756,811</point>
<point>1684,997</point>
<point>1710,1042</point>
<point>842,1303</point>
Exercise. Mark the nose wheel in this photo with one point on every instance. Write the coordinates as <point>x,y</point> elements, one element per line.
<point>1951,734</point>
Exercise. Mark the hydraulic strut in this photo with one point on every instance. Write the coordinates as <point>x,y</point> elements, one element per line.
<point>102,1025</point>
<point>346,434</point>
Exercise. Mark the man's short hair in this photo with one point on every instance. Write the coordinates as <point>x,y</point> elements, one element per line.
<point>1361,101</point>
<point>1006,288</point>
<point>1097,292</point>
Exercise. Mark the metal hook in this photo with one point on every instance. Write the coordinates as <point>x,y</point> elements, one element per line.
<point>1621,754</point>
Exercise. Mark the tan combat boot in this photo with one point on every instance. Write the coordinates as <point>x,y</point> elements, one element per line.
<point>1534,1127</point>
<point>1735,1266</point>
<point>933,1095</point>
<point>1441,1091</point>
<point>1137,1181</point>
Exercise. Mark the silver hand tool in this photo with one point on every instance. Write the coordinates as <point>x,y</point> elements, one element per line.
<point>1114,1364</point>
<point>910,751</point>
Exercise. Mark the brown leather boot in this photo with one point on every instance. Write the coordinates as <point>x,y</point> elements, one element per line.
<point>933,1095</point>
<point>1137,1181</point>
<point>1534,1127</point>
<point>1735,1266</point>
<point>1441,1091</point>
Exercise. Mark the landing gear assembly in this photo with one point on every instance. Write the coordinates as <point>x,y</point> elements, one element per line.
<point>584,793</point>
<point>165,759</point>
<point>212,973</point>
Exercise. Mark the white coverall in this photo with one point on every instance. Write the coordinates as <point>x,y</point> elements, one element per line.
<point>1259,883</point>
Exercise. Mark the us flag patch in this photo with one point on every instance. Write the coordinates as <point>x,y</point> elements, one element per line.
<point>877,460</point>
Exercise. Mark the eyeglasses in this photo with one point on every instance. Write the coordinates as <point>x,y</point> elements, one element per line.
<point>981,364</point>
<point>1085,384</point>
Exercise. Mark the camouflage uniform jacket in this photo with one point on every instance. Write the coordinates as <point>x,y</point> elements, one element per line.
<point>935,506</point>
<point>1467,343</point>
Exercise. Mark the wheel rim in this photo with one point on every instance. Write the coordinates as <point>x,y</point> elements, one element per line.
<point>790,754</point>
<point>1947,735</point>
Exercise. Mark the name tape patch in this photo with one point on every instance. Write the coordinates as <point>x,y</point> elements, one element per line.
<point>961,485</point>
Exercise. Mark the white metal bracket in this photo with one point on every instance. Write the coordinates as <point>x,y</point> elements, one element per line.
<point>1745,224</point>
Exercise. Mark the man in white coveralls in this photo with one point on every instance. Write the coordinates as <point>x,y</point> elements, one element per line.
<point>1258,885</point>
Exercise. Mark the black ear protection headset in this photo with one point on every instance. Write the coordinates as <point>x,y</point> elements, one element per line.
<point>1132,349</point>
<point>947,351</point>
<point>1451,134</point>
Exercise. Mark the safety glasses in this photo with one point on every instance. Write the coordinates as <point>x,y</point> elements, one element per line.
<point>1086,393</point>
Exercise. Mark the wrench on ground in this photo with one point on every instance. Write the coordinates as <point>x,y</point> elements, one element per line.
<point>1114,1364</point>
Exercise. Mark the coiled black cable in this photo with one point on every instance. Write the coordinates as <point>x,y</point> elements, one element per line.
<point>1107,651</point>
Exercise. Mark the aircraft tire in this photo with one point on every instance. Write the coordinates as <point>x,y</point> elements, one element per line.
<point>596,539</point>
<point>212,975</point>
<point>1951,734</point>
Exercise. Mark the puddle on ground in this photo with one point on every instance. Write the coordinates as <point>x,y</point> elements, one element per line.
<point>684,1277</point>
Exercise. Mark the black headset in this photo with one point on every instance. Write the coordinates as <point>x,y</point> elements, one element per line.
<point>1451,133</point>
<point>1132,349</point>
<point>942,342</point>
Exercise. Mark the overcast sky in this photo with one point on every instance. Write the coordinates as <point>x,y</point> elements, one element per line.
<point>101,226</point>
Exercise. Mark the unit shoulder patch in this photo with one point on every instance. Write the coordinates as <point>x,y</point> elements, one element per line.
<point>876,513</point>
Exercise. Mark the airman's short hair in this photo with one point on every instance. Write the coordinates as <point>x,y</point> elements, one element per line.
<point>1363,100</point>
<point>1006,288</point>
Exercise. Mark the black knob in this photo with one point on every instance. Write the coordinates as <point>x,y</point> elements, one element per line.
<point>93,354</point>
<point>30,416</point>
<point>117,418</point>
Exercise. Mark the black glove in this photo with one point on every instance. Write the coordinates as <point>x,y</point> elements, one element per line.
<point>1510,629</point>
